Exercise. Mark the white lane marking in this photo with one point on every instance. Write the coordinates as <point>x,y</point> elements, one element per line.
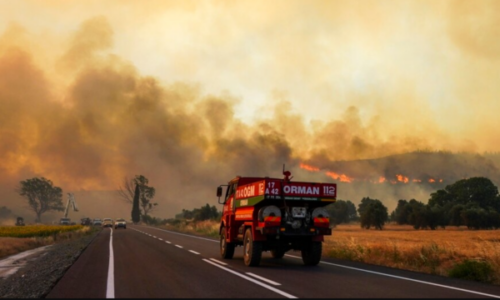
<point>406,278</point>
<point>110,289</point>
<point>154,236</point>
<point>196,237</point>
<point>218,261</point>
<point>168,242</point>
<point>178,246</point>
<point>263,279</point>
<point>252,280</point>
<point>197,253</point>
<point>160,239</point>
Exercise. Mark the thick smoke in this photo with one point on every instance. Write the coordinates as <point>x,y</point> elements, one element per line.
<point>85,117</point>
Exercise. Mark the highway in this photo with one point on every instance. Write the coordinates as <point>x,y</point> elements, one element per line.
<point>148,262</point>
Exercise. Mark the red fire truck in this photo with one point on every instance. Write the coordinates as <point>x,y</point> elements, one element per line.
<point>273,214</point>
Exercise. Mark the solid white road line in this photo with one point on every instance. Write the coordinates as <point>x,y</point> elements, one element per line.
<point>263,279</point>
<point>110,289</point>
<point>178,246</point>
<point>252,280</point>
<point>406,278</point>
<point>218,261</point>
<point>197,253</point>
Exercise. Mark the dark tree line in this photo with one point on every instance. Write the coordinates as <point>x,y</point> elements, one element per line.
<point>206,212</point>
<point>472,202</point>
<point>342,212</point>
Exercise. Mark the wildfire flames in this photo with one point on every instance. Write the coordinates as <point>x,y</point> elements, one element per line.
<point>398,178</point>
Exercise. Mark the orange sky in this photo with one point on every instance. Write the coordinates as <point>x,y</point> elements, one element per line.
<point>192,93</point>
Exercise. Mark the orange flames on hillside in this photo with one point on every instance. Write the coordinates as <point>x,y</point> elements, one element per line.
<point>345,178</point>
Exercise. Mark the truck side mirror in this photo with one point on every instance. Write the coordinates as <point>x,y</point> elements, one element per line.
<point>219,191</point>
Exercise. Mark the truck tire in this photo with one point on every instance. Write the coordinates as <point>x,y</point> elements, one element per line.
<point>226,249</point>
<point>311,254</point>
<point>277,253</point>
<point>252,250</point>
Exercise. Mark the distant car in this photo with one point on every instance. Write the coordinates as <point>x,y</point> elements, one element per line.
<point>120,223</point>
<point>20,221</point>
<point>65,221</point>
<point>107,222</point>
<point>97,222</point>
<point>86,221</point>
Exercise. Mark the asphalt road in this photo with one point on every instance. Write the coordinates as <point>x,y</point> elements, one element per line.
<point>147,262</point>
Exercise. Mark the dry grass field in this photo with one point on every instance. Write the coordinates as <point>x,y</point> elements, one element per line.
<point>38,235</point>
<point>428,251</point>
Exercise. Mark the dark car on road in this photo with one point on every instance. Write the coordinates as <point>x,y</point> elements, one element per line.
<point>120,223</point>
<point>65,221</point>
<point>86,221</point>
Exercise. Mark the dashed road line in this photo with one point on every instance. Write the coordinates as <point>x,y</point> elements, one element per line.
<point>285,294</point>
<point>192,251</point>
<point>218,261</point>
<point>263,279</point>
<point>178,246</point>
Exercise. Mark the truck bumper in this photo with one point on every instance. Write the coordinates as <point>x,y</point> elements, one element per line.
<point>312,231</point>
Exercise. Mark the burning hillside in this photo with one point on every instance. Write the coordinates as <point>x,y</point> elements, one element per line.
<point>418,168</point>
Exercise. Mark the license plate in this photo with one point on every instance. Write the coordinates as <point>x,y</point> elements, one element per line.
<point>299,212</point>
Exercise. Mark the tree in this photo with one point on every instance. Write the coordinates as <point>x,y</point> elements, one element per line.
<point>372,213</point>
<point>126,192</point>
<point>401,213</point>
<point>5,212</point>
<point>42,195</point>
<point>478,190</point>
<point>351,208</point>
<point>418,216</point>
<point>341,212</point>
<point>455,215</point>
<point>136,212</point>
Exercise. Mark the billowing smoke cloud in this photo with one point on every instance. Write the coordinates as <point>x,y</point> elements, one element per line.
<point>86,117</point>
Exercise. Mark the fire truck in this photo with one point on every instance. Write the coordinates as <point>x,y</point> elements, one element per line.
<point>276,215</point>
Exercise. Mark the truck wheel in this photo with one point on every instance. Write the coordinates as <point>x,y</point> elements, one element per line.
<point>226,249</point>
<point>311,254</point>
<point>277,253</point>
<point>252,251</point>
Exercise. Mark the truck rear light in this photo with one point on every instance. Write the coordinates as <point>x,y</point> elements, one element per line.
<point>282,229</point>
<point>321,222</point>
<point>272,219</point>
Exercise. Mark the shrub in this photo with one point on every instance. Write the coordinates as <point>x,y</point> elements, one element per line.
<point>472,270</point>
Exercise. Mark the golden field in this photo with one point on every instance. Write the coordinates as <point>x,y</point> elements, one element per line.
<point>428,251</point>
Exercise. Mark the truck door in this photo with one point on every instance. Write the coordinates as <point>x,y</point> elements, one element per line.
<point>229,204</point>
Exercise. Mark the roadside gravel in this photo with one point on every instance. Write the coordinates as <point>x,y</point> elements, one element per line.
<point>36,279</point>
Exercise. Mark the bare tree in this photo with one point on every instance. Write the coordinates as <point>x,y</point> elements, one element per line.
<point>126,189</point>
